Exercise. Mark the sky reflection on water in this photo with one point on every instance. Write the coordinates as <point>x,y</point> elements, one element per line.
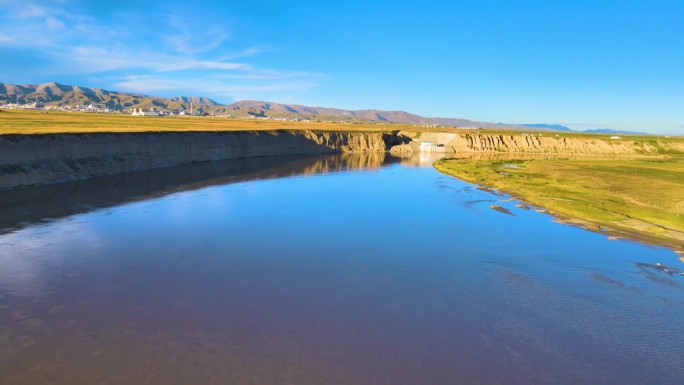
<point>324,271</point>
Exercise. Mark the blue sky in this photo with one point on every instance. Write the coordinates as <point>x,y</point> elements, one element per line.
<point>586,64</point>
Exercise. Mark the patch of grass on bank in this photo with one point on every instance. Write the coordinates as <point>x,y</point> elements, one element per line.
<point>643,196</point>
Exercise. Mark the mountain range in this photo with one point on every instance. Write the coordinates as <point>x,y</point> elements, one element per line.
<point>558,127</point>
<point>60,95</point>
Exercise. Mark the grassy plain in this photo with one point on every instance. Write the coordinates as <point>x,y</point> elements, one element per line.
<point>49,122</point>
<point>37,122</point>
<point>641,197</point>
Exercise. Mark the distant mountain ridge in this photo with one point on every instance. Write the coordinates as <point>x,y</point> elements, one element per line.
<point>60,95</point>
<point>277,109</point>
<point>552,127</point>
<point>611,131</point>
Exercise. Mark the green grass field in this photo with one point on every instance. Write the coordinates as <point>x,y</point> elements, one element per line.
<point>643,197</point>
<point>38,122</point>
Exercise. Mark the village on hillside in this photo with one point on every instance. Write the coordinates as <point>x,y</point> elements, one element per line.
<point>96,108</point>
<point>160,112</point>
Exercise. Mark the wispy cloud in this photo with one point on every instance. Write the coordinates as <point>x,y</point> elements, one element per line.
<point>53,23</point>
<point>6,40</point>
<point>247,52</point>
<point>100,59</point>
<point>147,83</point>
<point>258,74</point>
<point>27,10</point>
<point>176,53</point>
<point>184,38</point>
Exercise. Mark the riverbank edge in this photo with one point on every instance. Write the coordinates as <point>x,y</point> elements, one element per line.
<point>52,158</point>
<point>609,229</point>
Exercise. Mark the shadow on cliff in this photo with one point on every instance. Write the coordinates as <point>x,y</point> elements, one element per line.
<point>21,207</point>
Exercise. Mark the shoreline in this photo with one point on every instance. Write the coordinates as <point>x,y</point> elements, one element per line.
<point>53,158</point>
<point>674,241</point>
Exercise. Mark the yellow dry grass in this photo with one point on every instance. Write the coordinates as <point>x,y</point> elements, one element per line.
<point>39,122</point>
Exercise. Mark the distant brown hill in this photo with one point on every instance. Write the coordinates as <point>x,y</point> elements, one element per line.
<point>55,94</point>
<point>270,108</point>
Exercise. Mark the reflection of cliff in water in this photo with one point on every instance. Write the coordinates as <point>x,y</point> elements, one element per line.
<point>419,159</point>
<point>351,161</point>
<point>27,205</point>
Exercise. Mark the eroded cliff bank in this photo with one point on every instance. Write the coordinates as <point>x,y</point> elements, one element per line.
<point>534,144</point>
<point>51,158</point>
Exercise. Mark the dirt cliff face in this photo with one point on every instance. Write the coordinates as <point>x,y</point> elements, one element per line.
<point>34,159</point>
<point>553,145</point>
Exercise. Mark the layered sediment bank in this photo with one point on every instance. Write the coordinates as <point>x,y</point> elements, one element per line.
<point>51,158</point>
<point>534,144</point>
<point>537,143</point>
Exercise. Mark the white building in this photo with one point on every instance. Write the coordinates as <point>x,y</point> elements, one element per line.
<point>141,112</point>
<point>428,146</point>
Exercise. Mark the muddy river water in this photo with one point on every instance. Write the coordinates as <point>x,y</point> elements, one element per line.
<point>334,270</point>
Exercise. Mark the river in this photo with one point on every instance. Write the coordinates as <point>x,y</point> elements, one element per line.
<point>322,270</point>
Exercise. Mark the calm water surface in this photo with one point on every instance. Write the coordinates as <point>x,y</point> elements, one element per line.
<point>358,270</point>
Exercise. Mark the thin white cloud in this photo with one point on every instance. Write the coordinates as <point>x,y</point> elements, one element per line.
<point>149,84</point>
<point>258,74</point>
<point>53,23</point>
<point>190,52</point>
<point>248,52</point>
<point>209,85</point>
<point>203,64</point>
<point>100,59</point>
<point>6,40</point>
<point>188,39</point>
<point>28,10</point>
